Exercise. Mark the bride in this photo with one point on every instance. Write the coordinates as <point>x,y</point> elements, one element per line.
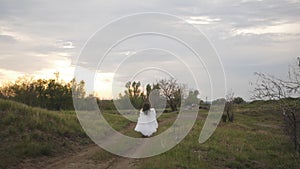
<point>147,123</point>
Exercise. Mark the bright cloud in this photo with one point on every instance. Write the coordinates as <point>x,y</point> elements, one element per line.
<point>65,44</point>
<point>202,20</point>
<point>291,28</point>
<point>63,66</point>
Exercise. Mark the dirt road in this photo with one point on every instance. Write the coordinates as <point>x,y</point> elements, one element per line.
<point>81,159</point>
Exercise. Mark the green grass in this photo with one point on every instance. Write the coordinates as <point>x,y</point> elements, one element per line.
<point>254,140</point>
<point>251,141</point>
<point>27,132</point>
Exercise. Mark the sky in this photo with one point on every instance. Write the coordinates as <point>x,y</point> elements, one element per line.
<point>42,37</point>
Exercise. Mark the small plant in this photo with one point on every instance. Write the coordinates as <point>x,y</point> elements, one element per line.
<point>224,118</point>
<point>229,106</point>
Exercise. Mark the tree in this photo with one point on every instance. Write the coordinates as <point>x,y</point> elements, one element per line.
<point>78,89</point>
<point>192,98</point>
<point>229,106</point>
<point>6,91</point>
<point>51,94</point>
<point>137,96</point>
<point>148,90</point>
<point>172,91</point>
<point>219,101</point>
<point>153,95</point>
<point>23,90</point>
<point>238,100</point>
<point>134,93</point>
<point>286,94</point>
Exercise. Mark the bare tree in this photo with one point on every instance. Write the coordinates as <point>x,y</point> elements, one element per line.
<point>229,105</point>
<point>286,93</point>
<point>172,91</point>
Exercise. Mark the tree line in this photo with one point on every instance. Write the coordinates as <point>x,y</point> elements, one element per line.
<point>51,94</point>
<point>55,94</point>
<point>165,93</point>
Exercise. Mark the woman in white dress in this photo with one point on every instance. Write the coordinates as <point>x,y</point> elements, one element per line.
<point>147,123</point>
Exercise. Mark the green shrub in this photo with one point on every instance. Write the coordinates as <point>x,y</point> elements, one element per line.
<point>224,117</point>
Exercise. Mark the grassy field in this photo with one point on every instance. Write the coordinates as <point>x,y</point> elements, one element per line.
<point>27,132</point>
<point>254,140</point>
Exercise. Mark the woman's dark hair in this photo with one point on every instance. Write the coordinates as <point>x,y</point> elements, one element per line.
<point>146,107</point>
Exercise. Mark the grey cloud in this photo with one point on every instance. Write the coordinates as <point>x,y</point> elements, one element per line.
<point>26,63</point>
<point>7,39</point>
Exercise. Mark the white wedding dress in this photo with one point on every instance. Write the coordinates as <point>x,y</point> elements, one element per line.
<point>147,124</point>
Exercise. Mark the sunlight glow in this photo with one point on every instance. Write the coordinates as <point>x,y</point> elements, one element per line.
<point>102,84</point>
<point>9,76</point>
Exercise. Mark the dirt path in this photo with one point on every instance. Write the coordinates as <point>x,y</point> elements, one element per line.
<point>123,163</point>
<point>82,158</point>
<point>78,160</point>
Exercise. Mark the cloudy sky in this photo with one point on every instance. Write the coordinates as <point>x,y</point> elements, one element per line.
<point>42,37</point>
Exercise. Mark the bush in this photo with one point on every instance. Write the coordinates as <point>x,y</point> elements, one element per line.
<point>224,117</point>
<point>238,100</point>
